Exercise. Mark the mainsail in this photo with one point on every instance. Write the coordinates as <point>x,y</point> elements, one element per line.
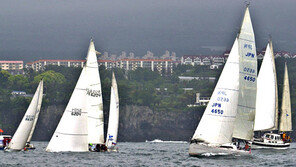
<point>94,105</point>
<point>244,123</point>
<point>286,115</point>
<point>71,133</point>
<point>113,115</point>
<point>24,130</point>
<point>266,99</point>
<point>216,124</point>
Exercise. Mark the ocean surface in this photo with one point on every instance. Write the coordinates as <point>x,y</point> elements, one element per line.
<point>155,153</point>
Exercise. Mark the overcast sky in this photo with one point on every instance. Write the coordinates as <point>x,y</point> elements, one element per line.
<point>50,29</point>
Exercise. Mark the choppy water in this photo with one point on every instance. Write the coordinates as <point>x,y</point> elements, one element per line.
<point>145,154</point>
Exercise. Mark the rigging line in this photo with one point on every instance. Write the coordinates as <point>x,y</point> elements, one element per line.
<point>246,106</point>
<point>246,40</point>
<point>71,134</point>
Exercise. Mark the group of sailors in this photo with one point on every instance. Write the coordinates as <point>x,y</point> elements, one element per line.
<point>97,147</point>
<point>242,144</point>
<point>286,138</point>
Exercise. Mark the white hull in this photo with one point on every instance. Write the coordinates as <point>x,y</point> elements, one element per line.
<point>261,144</point>
<point>202,149</point>
<point>114,149</point>
<point>11,150</point>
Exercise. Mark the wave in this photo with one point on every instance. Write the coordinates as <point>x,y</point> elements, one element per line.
<point>161,141</point>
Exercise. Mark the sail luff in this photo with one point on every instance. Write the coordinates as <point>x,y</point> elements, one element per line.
<point>37,112</point>
<point>266,100</point>
<point>216,124</point>
<point>22,133</point>
<point>286,115</point>
<point>244,123</point>
<point>113,122</point>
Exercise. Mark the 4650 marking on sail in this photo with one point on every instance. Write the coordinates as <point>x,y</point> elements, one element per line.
<point>217,111</point>
<point>251,79</point>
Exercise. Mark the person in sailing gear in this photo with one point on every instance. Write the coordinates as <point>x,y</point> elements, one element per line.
<point>91,147</point>
<point>104,148</point>
<point>284,137</point>
<point>247,147</point>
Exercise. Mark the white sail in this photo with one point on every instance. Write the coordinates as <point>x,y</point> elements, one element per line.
<point>37,114</point>
<point>244,124</point>
<point>286,115</point>
<point>112,132</point>
<point>266,93</point>
<point>276,124</point>
<point>216,124</point>
<point>71,133</point>
<point>22,133</point>
<point>94,105</point>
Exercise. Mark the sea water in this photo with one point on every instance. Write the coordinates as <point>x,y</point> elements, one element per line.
<point>155,153</point>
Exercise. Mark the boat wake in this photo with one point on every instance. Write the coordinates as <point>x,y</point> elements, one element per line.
<point>161,141</point>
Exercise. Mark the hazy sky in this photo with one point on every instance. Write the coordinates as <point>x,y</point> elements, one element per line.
<point>50,29</point>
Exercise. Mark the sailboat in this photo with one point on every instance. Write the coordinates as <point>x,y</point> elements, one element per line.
<point>266,108</point>
<point>26,128</point>
<point>112,132</point>
<point>82,122</point>
<point>230,112</point>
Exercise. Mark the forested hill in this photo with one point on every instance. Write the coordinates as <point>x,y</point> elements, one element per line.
<point>151,105</point>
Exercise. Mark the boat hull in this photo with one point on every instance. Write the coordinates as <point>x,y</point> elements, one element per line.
<point>202,149</point>
<point>261,144</point>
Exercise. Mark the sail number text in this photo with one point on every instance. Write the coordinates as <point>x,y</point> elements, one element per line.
<point>248,46</point>
<point>30,117</point>
<point>250,55</point>
<point>249,70</point>
<point>223,99</point>
<point>76,112</point>
<point>217,111</point>
<point>93,93</point>
<point>249,78</point>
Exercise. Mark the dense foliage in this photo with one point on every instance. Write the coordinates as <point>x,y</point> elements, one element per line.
<point>142,87</point>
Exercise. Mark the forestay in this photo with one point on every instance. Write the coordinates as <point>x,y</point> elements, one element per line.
<point>266,93</point>
<point>286,115</point>
<point>22,133</point>
<point>71,133</point>
<point>244,123</point>
<point>113,115</point>
<point>94,104</point>
<point>216,124</point>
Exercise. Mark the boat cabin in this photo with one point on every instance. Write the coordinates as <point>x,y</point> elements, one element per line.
<point>272,138</point>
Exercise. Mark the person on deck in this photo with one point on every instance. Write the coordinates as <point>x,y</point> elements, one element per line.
<point>247,147</point>
<point>284,137</point>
